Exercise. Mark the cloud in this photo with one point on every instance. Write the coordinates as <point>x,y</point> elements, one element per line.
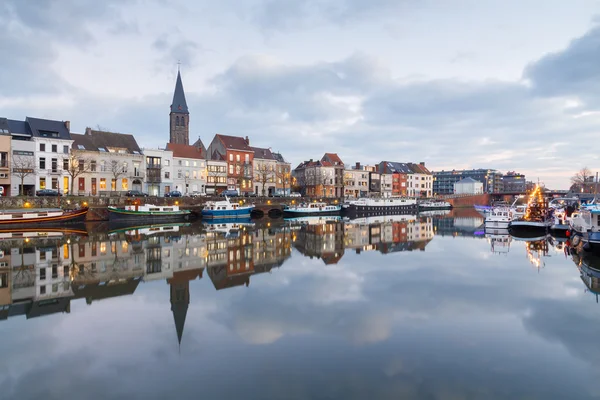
<point>174,49</point>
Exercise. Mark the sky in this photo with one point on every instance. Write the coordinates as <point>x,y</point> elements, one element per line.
<point>509,85</point>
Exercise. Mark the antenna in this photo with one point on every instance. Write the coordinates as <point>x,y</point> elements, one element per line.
<point>178,65</point>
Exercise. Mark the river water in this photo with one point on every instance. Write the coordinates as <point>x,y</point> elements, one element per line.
<point>427,307</point>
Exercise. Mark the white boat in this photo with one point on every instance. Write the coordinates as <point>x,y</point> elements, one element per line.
<point>434,205</point>
<point>380,206</point>
<point>498,218</point>
<point>381,219</point>
<point>537,217</point>
<point>228,227</point>
<point>585,224</point>
<point>316,208</point>
<point>315,219</point>
<point>226,209</point>
<point>147,213</point>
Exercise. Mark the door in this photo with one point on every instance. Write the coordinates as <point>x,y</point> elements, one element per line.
<point>65,184</point>
<point>167,189</point>
<point>93,186</point>
<point>81,185</point>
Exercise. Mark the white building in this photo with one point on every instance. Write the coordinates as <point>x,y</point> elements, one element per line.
<point>420,181</point>
<point>159,171</point>
<point>23,168</point>
<point>189,168</point>
<point>468,186</point>
<point>386,185</point>
<point>356,182</point>
<point>216,176</point>
<point>264,166</point>
<point>114,162</point>
<point>52,147</point>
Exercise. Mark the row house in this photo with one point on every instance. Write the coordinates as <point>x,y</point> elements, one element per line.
<point>356,182</point>
<point>104,162</point>
<point>408,179</point>
<point>283,184</point>
<point>189,168</point>
<point>265,171</point>
<point>420,182</point>
<point>323,178</point>
<point>22,159</point>
<point>216,176</point>
<point>239,156</point>
<point>338,168</point>
<point>5,151</point>
<point>159,171</point>
<point>399,173</point>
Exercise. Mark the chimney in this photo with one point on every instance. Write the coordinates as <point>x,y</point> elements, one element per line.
<point>247,141</point>
<point>68,126</point>
<point>422,164</point>
<point>357,165</point>
<point>311,160</point>
<point>88,131</point>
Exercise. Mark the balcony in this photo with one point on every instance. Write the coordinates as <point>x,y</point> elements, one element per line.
<point>154,175</point>
<point>137,174</point>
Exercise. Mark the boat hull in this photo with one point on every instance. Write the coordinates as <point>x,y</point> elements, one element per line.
<point>68,217</point>
<point>354,210</point>
<point>430,208</point>
<point>117,214</point>
<point>530,225</point>
<point>496,224</point>
<point>295,213</point>
<point>242,212</point>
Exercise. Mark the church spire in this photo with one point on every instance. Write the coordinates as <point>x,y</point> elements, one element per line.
<point>180,299</point>
<point>179,104</point>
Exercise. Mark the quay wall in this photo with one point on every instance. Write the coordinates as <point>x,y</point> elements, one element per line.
<point>468,201</point>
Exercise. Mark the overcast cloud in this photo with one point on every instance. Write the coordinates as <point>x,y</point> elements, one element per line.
<point>509,85</point>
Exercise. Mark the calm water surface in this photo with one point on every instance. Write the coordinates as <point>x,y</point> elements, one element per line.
<point>428,308</point>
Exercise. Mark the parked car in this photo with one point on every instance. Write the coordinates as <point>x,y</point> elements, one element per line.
<point>135,193</point>
<point>173,193</point>
<point>48,192</point>
<point>295,194</point>
<point>229,193</point>
<point>194,194</point>
<point>250,194</point>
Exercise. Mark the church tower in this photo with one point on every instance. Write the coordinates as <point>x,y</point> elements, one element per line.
<point>179,125</point>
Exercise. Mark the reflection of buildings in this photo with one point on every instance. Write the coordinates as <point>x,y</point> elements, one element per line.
<point>459,222</point>
<point>235,256</point>
<point>386,234</point>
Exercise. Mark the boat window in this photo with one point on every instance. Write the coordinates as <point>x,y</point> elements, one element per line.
<point>42,214</point>
<point>17,215</point>
<point>155,209</point>
<point>168,209</point>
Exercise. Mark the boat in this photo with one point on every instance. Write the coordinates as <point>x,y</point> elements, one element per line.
<point>226,209</point>
<point>379,206</point>
<point>316,208</point>
<point>42,216</point>
<point>381,219</point>
<point>499,240</point>
<point>314,220</point>
<point>228,227</point>
<point>498,218</point>
<point>585,225</point>
<point>147,213</point>
<point>538,217</point>
<point>434,205</point>
<point>145,229</point>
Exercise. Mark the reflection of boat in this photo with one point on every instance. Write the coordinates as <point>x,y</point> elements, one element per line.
<point>305,209</point>
<point>381,219</point>
<point>434,205</point>
<point>149,229</point>
<point>226,209</point>
<point>434,213</point>
<point>33,233</point>
<point>369,206</point>
<point>499,240</point>
<point>315,220</point>
<point>147,213</point>
<point>227,226</point>
<point>42,216</point>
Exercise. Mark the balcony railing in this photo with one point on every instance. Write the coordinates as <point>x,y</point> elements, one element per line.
<point>137,174</point>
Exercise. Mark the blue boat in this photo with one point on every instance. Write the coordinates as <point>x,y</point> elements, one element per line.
<point>226,209</point>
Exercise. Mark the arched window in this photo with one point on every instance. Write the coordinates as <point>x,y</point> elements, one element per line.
<point>177,122</point>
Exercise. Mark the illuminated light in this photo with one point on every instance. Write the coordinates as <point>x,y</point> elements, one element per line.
<point>85,203</point>
<point>268,201</point>
<point>176,203</point>
<point>26,240</point>
<point>68,201</point>
<point>27,204</point>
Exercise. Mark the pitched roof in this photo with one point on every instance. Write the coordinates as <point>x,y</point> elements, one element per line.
<point>4,126</point>
<point>198,143</point>
<point>185,150</point>
<point>419,169</point>
<point>96,140</point>
<point>234,142</point>
<point>179,104</point>
<point>278,157</point>
<point>391,167</point>
<point>333,158</point>
<point>263,154</point>
<point>44,127</point>
<point>468,180</point>
<point>18,127</point>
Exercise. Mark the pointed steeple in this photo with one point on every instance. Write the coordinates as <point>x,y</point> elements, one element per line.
<point>180,299</point>
<point>179,104</point>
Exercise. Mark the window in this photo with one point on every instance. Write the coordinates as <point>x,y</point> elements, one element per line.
<point>93,165</point>
<point>179,162</point>
<point>125,166</point>
<point>66,149</point>
<point>81,164</point>
<point>230,157</point>
<point>113,184</point>
<point>55,183</point>
<point>102,183</point>
<point>187,163</point>
<point>177,122</point>
<point>237,157</point>
<point>54,165</point>
<point>42,273</point>
<point>42,289</point>
<point>230,169</point>
<point>179,174</point>
<point>194,175</point>
<point>42,163</point>
<point>54,148</point>
<point>167,162</point>
<point>187,174</point>
<point>42,183</point>
<point>182,121</point>
<point>247,159</point>
<point>124,184</point>
<point>195,164</point>
<point>167,175</point>
<point>42,146</point>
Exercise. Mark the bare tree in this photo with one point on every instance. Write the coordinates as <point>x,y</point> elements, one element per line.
<point>22,167</point>
<point>117,170</point>
<point>283,176</point>
<point>582,180</point>
<point>77,165</point>
<point>263,173</point>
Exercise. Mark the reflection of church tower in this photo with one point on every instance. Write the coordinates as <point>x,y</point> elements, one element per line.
<point>180,299</point>
<point>179,117</point>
